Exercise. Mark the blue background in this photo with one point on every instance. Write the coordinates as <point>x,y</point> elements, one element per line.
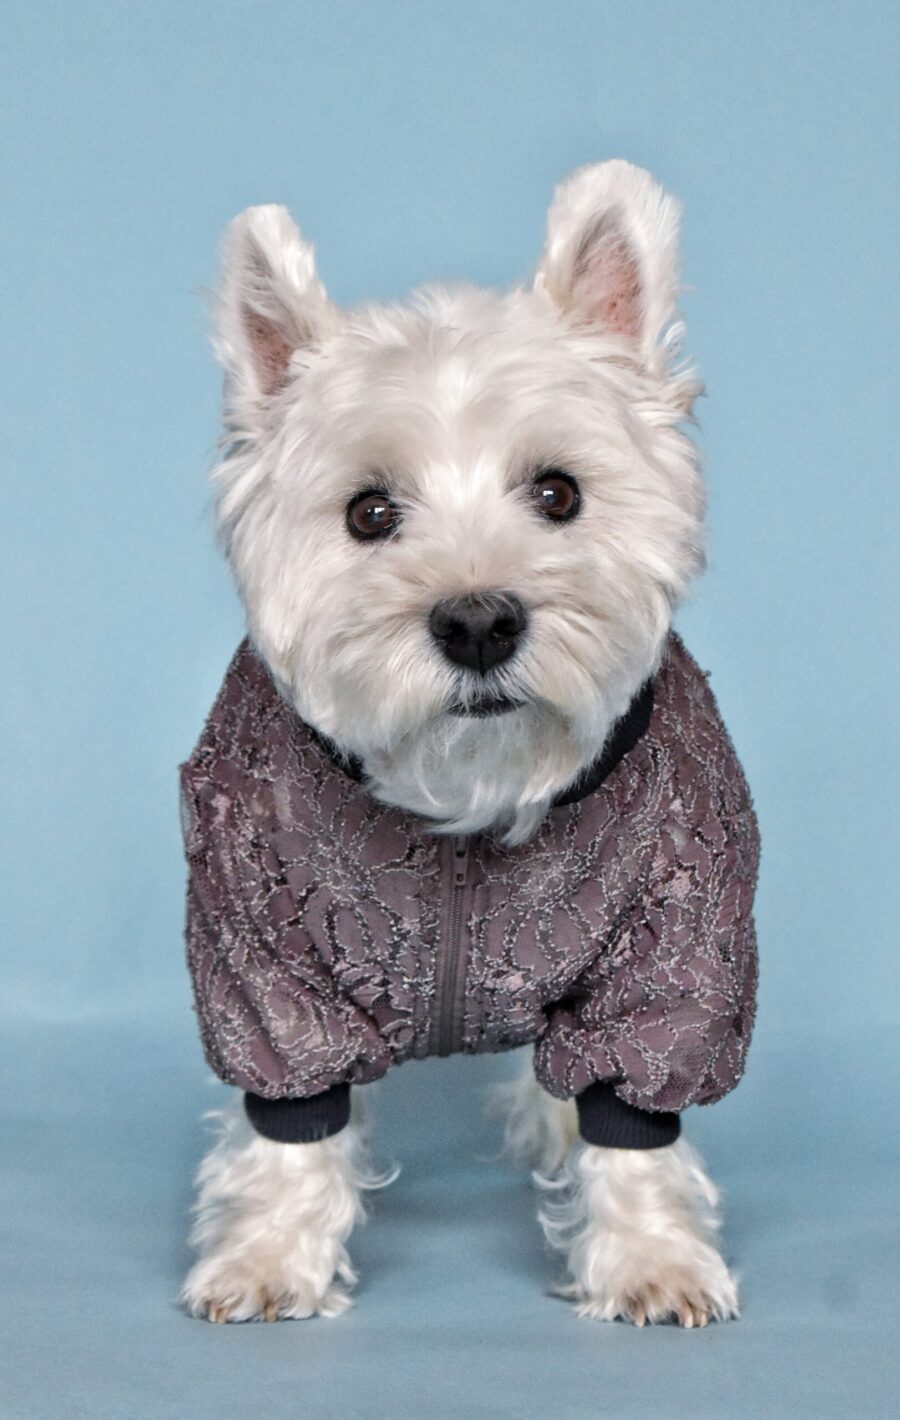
<point>417,141</point>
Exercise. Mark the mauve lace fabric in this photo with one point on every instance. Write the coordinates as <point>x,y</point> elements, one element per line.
<point>326,939</point>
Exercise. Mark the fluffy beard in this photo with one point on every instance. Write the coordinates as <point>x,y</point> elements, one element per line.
<point>472,774</point>
<point>467,772</point>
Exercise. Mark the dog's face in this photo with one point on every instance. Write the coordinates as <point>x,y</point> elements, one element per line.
<point>459,526</point>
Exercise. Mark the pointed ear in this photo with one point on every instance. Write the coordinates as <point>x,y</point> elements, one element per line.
<point>270,304</point>
<point>611,255</point>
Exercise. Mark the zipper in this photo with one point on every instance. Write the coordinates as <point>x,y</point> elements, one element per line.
<point>452,978</point>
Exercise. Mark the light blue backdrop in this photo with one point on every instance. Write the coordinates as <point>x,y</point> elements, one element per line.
<point>417,141</point>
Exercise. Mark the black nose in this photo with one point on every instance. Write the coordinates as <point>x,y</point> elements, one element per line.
<point>478,631</point>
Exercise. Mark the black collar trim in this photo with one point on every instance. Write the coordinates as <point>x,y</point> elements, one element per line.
<point>625,735</point>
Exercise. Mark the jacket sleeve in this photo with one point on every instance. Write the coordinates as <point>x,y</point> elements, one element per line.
<point>664,1014</point>
<point>271,1019</point>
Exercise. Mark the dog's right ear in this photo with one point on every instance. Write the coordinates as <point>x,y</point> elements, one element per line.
<point>270,304</point>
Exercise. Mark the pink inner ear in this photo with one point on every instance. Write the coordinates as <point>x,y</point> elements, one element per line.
<point>271,351</point>
<point>608,279</point>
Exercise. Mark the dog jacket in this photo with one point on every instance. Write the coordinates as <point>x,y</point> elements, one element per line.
<point>330,936</point>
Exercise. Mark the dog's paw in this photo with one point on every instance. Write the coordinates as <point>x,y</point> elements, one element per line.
<point>218,1289</point>
<point>689,1289</point>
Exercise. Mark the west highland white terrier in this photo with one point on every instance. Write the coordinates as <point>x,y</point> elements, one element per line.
<point>463,788</point>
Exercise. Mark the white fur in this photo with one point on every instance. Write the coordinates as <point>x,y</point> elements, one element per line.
<point>538,1129</point>
<point>601,213</point>
<point>268,272</point>
<point>272,1221</point>
<point>637,1227</point>
<point>451,402</point>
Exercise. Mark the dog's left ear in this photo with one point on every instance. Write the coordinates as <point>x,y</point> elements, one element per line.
<point>270,304</point>
<point>611,257</point>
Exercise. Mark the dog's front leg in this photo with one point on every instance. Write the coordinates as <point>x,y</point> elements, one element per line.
<point>272,1221</point>
<point>638,1230</point>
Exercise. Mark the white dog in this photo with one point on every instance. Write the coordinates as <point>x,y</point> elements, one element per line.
<point>464,789</point>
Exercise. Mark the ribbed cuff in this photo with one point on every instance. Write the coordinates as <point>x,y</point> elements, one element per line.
<point>606,1120</point>
<point>300,1121</point>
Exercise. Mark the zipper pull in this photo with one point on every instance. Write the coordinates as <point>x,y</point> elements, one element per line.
<point>460,861</point>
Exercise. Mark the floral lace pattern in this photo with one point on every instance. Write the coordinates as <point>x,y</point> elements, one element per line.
<point>619,938</point>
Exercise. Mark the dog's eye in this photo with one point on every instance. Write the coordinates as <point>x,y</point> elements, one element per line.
<point>371,514</point>
<point>556,494</point>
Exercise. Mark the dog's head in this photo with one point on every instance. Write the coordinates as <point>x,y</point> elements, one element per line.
<point>460,525</point>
